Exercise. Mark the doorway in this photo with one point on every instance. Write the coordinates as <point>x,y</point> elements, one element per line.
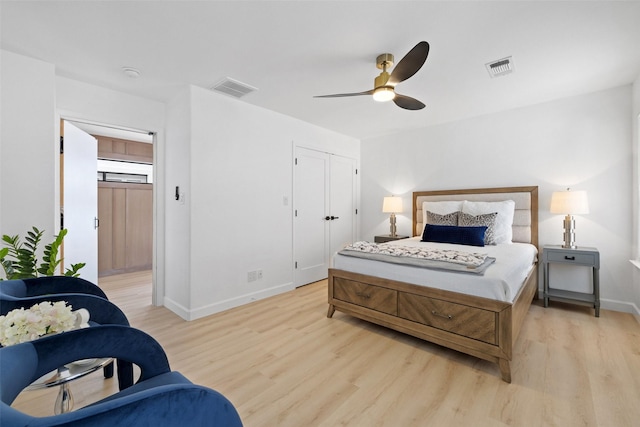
<point>121,198</point>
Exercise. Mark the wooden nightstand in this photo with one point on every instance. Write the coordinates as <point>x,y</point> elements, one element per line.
<point>582,256</point>
<point>388,238</point>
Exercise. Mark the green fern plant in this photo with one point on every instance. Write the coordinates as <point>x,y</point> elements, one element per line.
<point>19,259</point>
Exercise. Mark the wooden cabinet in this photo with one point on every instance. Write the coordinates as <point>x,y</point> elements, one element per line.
<point>120,149</point>
<point>125,234</point>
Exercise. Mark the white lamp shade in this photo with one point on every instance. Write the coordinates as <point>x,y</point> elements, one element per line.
<point>392,205</point>
<point>569,202</point>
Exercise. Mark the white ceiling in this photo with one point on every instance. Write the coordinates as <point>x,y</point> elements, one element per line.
<point>292,50</point>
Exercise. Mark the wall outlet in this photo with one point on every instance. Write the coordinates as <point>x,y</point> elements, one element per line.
<point>252,276</point>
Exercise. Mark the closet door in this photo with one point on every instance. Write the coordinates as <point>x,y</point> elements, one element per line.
<point>342,203</point>
<point>139,237</point>
<point>311,229</point>
<point>324,211</point>
<point>125,233</point>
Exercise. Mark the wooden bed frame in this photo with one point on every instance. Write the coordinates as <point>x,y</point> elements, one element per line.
<point>481,327</point>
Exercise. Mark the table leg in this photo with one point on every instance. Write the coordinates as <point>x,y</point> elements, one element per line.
<point>545,281</point>
<point>596,290</point>
<point>64,401</point>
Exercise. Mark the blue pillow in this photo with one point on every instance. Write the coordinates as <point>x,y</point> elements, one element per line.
<point>472,236</point>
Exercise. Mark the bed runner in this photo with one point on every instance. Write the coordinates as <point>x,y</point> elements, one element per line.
<point>438,259</point>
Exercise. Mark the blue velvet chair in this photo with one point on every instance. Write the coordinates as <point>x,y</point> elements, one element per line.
<point>161,397</point>
<point>79,293</point>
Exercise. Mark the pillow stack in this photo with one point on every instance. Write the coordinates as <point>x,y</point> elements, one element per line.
<point>468,223</point>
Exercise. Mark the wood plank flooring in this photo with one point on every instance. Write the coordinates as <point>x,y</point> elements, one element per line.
<point>282,362</point>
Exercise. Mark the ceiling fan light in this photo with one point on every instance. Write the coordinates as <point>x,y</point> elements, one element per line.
<point>384,94</point>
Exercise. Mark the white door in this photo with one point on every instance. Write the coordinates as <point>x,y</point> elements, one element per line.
<point>80,201</point>
<point>324,211</point>
<point>342,202</point>
<point>311,229</point>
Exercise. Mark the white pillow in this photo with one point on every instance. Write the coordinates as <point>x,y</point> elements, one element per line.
<point>504,220</point>
<point>440,208</point>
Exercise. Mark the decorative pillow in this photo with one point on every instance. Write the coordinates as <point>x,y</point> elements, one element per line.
<point>487,220</point>
<point>472,236</point>
<point>503,233</point>
<point>440,208</point>
<point>446,219</point>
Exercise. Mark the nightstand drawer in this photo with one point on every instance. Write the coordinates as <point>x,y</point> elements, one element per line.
<point>572,258</point>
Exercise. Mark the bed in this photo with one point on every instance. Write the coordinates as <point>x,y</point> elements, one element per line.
<point>482,325</point>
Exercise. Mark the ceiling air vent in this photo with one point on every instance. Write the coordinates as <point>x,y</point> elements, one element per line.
<point>233,88</point>
<point>500,67</point>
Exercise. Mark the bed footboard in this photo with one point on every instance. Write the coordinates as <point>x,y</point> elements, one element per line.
<point>481,327</point>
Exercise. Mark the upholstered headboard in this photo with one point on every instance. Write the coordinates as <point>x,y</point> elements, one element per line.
<point>525,220</point>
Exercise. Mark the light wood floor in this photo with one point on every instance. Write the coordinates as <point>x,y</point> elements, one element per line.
<point>282,362</point>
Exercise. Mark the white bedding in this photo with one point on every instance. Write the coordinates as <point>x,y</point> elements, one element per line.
<point>501,281</point>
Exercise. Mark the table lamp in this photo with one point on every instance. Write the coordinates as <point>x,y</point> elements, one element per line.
<point>392,205</point>
<point>569,203</point>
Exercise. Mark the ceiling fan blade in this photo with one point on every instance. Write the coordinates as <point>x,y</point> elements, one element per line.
<point>410,64</point>
<point>340,95</point>
<point>407,102</point>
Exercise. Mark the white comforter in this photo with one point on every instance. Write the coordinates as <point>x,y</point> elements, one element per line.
<point>501,281</point>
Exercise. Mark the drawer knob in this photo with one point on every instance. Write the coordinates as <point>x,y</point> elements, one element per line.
<point>446,316</point>
<point>570,258</point>
<point>363,295</point>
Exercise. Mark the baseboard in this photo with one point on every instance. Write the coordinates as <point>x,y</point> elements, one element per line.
<point>219,306</point>
<point>178,309</point>
<point>106,273</point>
<point>625,307</point>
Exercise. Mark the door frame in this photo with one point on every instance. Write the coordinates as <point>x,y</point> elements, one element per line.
<point>157,273</point>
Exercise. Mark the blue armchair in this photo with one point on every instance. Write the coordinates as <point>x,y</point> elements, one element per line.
<point>79,293</point>
<point>161,397</point>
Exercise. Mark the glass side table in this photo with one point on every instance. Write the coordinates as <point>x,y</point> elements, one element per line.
<point>63,376</point>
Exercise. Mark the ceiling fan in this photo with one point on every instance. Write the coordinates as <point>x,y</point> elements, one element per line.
<point>384,85</point>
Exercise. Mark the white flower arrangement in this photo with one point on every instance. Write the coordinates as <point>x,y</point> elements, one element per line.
<point>22,325</point>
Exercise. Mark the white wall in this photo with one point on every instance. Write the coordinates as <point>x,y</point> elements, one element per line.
<point>232,161</point>
<point>33,100</point>
<point>583,142</point>
<point>635,253</point>
<point>27,146</point>
<point>177,212</point>
<point>238,160</point>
